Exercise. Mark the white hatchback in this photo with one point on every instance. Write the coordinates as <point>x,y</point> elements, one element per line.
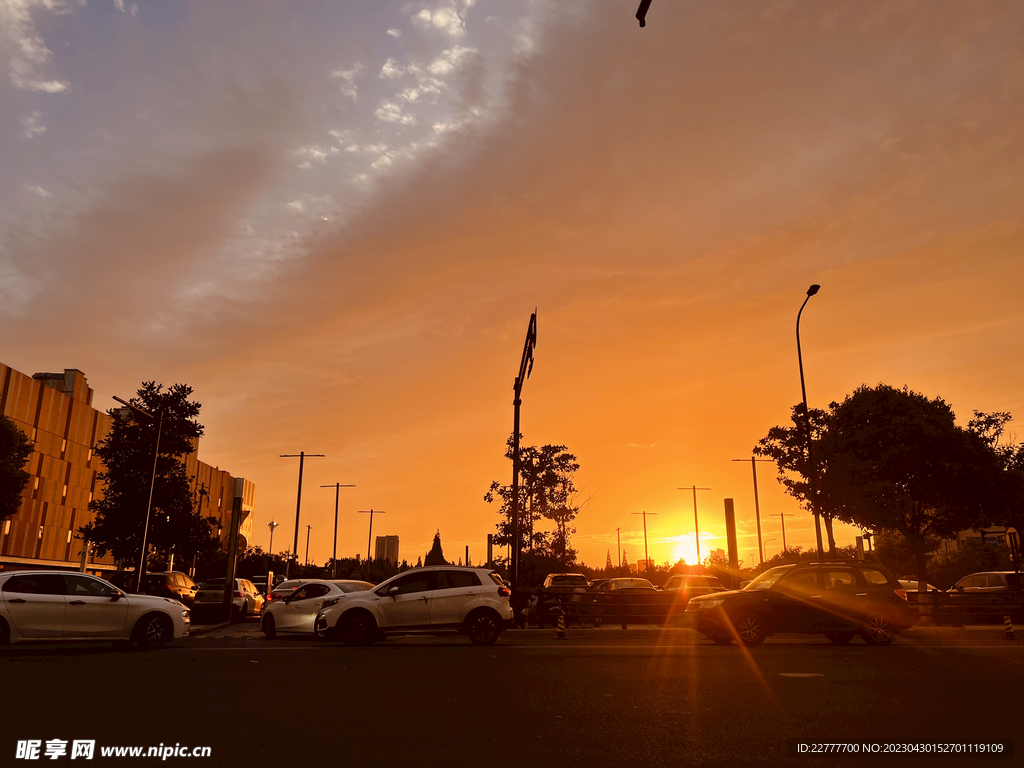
<point>297,611</point>
<point>472,601</point>
<point>57,605</point>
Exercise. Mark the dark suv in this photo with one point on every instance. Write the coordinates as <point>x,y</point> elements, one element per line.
<point>173,584</point>
<point>838,599</point>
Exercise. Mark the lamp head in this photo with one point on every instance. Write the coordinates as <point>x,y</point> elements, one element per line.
<point>813,290</point>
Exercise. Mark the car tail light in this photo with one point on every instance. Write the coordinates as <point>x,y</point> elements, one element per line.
<point>504,592</point>
<point>902,593</point>
<point>238,594</point>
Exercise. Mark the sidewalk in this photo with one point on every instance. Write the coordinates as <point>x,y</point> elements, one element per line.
<point>976,631</point>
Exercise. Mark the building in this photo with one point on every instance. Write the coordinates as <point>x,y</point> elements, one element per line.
<point>55,411</point>
<point>386,548</point>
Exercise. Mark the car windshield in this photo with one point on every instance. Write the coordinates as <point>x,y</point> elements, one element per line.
<point>563,581</point>
<point>354,586</point>
<point>213,584</point>
<point>768,578</point>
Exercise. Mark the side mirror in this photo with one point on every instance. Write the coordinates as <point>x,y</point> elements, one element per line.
<point>116,597</point>
<point>392,592</point>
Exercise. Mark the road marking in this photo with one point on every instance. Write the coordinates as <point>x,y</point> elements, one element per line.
<point>800,674</point>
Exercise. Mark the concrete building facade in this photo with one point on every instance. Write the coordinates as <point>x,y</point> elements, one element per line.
<point>55,412</point>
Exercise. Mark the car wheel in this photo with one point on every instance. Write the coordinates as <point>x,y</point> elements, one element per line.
<point>720,639</point>
<point>5,633</point>
<point>269,627</point>
<point>153,631</point>
<point>597,621</point>
<point>878,631</point>
<point>751,629</point>
<point>840,638</point>
<point>357,629</point>
<point>483,629</point>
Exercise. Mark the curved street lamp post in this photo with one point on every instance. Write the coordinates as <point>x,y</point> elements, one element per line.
<point>813,479</point>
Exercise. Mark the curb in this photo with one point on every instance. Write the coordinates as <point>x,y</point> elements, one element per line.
<point>979,631</point>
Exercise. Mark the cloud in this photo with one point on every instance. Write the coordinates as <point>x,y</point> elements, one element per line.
<point>449,60</point>
<point>448,19</point>
<point>389,112</point>
<point>32,125</point>
<point>395,32</point>
<point>22,43</point>
<point>348,78</point>
<point>37,190</point>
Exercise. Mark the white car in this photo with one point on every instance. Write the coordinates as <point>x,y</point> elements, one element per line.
<point>472,601</point>
<point>58,605</point>
<point>297,612</point>
<point>245,601</point>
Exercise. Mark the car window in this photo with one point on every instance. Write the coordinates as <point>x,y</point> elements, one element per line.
<point>354,586</point>
<point>711,581</point>
<point>673,583</point>
<point>214,584</point>
<point>414,582</point>
<point>83,585</point>
<point>838,579</point>
<point>874,577</point>
<point>36,584</point>
<point>801,581</point>
<point>317,590</point>
<point>1012,580</point>
<point>994,580</point>
<point>496,579</point>
<point>457,579</point>
<point>768,578</point>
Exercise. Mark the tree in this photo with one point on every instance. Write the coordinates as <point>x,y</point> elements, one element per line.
<point>547,492</point>
<point>892,459</point>
<point>435,556</point>
<point>15,448</point>
<point>127,456</point>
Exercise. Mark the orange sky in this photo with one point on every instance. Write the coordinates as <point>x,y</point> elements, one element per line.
<point>663,196</point>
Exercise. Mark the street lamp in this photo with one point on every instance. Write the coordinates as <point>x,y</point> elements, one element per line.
<point>807,427</point>
<point>334,552</point>
<point>696,525</point>
<point>272,525</point>
<point>301,456</point>
<point>766,546</point>
<point>159,419</point>
<point>525,369</point>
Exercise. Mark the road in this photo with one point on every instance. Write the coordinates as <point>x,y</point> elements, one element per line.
<point>597,698</point>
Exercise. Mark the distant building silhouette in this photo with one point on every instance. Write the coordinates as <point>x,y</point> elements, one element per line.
<point>386,548</point>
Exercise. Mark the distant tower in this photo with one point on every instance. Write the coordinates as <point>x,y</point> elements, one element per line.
<point>608,563</point>
<point>387,549</point>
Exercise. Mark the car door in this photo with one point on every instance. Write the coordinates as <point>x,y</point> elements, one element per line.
<point>94,609</point>
<point>843,599</point>
<point>454,596</point>
<point>410,605</point>
<point>36,604</point>
<point>300,608</point>
<point>796,602</point>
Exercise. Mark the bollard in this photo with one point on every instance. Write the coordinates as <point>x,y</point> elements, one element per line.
<point>561,626</point>
<point>1009,627</point>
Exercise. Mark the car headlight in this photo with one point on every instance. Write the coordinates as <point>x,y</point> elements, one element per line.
<point>184,614</point>
<point>705,604</point>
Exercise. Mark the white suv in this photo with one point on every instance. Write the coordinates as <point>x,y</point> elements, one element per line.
<point>473,601</point>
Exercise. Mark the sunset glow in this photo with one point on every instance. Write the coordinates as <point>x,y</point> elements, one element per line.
<point>333,221</point>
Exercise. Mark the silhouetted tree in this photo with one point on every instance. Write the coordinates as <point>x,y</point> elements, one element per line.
<point>435,556</point>
<point>546,492</point>
<point>127,456</point>
<point>892,459</point>
<point>15,448</point>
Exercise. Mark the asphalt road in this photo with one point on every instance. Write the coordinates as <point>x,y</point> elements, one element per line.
<point>604,698</point>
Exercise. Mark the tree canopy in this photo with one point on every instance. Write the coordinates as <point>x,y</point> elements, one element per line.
<point>547,492</point>
<point>127,456</point>
<point>893,459</point>
<point>15,448</point>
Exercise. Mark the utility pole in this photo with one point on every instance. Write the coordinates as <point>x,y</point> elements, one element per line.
<point>334,552</point>
<point>696,525</point>
<point>757,506</point>
<point>646,556</point>
<point>371,513</point>
<point>618,544</point>
<point>309,529</point>
<point>782,517</point>
<point>301,456</point>
<point>525,369</point>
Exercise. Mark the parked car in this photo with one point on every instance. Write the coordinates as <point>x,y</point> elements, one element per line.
<point>838,599</point>
<point>245,601</point>
<point>628,585</point>
<point>565,582</point>
<point>173,584</point>
<point>986,596</point>
<point>54,605</point>
<point>686,587</point>
<point>472,601</point>
<point>912,586</point>
<point>284,589</point>
<point>261,582</point>
<point>297,612</point>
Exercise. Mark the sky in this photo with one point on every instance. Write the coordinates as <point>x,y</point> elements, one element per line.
<point>334,219</point>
